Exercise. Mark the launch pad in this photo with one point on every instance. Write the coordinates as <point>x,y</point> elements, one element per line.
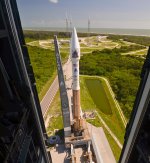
<point>77,138</point>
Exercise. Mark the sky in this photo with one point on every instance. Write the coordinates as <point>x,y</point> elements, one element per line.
<point>102,13</point>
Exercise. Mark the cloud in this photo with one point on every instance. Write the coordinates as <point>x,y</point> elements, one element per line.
<point>54,1</point>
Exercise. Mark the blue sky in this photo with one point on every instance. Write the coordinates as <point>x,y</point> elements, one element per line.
<point>102,13</point>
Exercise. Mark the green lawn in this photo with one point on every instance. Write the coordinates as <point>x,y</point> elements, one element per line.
<point>43,63</point>
<point>55,106</point>
<point>56,122</point>
<point>115,148</point>
<point>88,103</point>
<point>98,95</point>
<point>44,66</point>
<point>27,39</point>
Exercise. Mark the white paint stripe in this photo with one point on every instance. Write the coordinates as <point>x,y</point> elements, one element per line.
<point>51,87</point>
<point>50,94</point>
<point>97,152</point>
<point>108,129</point>
<point>44,114</point>
<point>113,96</point>
<point>67,129</point>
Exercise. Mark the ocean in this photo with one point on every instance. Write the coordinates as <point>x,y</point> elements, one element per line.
<point>135,32</point>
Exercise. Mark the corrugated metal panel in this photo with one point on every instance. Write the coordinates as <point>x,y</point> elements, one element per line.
<point>63,92</point>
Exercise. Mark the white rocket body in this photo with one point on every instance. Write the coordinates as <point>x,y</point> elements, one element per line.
<point>75,57</point>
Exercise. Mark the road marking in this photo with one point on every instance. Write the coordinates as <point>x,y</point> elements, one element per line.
<point>116,102</point>
<point>108,129</point>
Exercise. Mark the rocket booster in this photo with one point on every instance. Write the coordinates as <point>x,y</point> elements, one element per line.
<point>75,57</point>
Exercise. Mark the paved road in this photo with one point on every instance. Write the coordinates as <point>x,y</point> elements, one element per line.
<point>143,51</point>
<point>108,129</point>
<point>49,96</point>
<point>101,145</point>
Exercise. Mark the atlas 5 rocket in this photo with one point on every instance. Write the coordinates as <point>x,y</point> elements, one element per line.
<point>75,57</point>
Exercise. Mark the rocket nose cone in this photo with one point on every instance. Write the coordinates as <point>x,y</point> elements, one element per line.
<point>74,32</point>
<point>74,39</point>
<point>74,45</point>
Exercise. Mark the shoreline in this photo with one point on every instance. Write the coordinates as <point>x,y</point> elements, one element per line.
<point>103,31</point>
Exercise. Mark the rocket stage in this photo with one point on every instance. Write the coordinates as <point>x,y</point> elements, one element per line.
<point>84,142</point>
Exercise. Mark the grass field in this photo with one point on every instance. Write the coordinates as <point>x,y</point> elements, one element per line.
<point>44,67</point>
<point>115,149</point>
<point>54,110</point>
<point>88,103</point>
<point>98,95</point>
<point>43,62</point>
<point>137,53</point>
<point>113,121</point>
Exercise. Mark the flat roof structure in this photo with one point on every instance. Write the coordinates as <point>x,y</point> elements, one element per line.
<point>100,145</point>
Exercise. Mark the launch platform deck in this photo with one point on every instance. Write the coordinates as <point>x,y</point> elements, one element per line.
<point>59,154</point>
<point>102,150</point>
<point>100,145</point>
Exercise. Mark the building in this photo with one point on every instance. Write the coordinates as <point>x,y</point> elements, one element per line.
<point>22,130</point>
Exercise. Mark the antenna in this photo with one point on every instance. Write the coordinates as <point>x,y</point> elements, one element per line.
<point>89,24</point>
<point>67,24</point>
<point>70,23</point>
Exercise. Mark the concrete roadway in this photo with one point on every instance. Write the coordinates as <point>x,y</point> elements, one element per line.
<point>49,96</point>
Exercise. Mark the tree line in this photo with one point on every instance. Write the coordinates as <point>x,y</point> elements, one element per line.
<point>142,40</point>
<point>123,73</point>
<point>41,35</point>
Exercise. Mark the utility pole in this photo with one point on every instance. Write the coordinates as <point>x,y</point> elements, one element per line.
<point>89,24</point>
<point>67,25</point>
<point>70,23</point>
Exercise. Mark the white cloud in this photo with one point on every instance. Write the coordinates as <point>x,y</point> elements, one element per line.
<point>54,1</point>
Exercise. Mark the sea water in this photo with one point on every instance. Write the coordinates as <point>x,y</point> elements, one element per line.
<point>136,32</point>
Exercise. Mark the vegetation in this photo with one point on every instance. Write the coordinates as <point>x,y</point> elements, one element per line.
<point>115,148</point>
<point>142,40</point>
<point>95,121</point>
<point>122,49</point>
<point>55,107</point>
<point>122,71</point>
<point>56,123</point>
<point>112,120</point>
<point>43,35</point>
<point>98,95</point>
<point>44,65</point>
<point>55,115</point>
